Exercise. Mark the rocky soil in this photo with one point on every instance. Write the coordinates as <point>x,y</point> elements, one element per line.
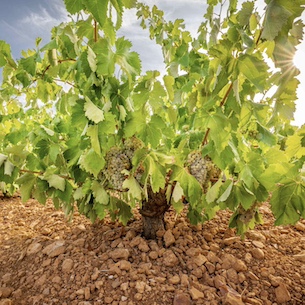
<point>44,259</point>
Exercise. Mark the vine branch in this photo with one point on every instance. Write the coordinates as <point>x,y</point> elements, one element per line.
<point>95,31</point>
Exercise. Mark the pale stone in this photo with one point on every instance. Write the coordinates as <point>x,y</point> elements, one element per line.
<point>210,267</point>
<point>140,286</point>
<point>67,265</point>
<point>174,280</point>
<point>199,260</point>
<point>55,249</point>
<point>124,265</point>
<point>258,253</point>
<point>231,240</point>
<point>232,299</point>
<point>108,300</point>
<point>258,244</point>
<point>143,247</point>
<point>300,257</point>
<point>251,301</point>
<point>253,235</point>
<point>6,277</point>
<point>87,293</point>
<point>124,286</point>
<point>248,258</point>
<point>275,280</point>
<point>153,254</point>
<point>170,259</point>
<point>119,253</point>
<point>232,276</point>
<point>239,266</point>
<point>5,292</point>
<point>282,294</point>
<point>79,242</point>
<point>169,238</point>
<point>56,279</point>
<point>193,252</point>
<point>6,302</point>
<point>184,280</point>
<point>196,294</point>
<point>33,248</point>
<point>41,281</point>
<point>182,299</point>
<point>95,274</point>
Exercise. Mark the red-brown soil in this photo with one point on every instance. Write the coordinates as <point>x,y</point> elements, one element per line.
<point>44,259</point>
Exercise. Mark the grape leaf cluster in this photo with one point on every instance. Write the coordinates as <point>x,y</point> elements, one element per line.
<point>118,160</point>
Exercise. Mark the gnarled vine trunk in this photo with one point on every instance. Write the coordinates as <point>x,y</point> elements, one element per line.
<point>153,211</point>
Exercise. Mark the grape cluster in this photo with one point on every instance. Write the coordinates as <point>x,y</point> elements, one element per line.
<point>131,145</point>
<point>253,134</point>
<point>214,171</point>
<point>203,169</point>
<point>197,166</point>
<point>118,160</point>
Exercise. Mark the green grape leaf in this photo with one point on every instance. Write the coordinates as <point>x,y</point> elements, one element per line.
<point>93,133</point>
<point>99,193</point>
<point>254,70</point>
<point>74,6</point>
<point>295,146</point>
<point>177,194</point>
<point>56,181</point>
<point>118,5</point>
<point>92,59</point>
<point>191,187</point>
<point>169,82</point>
<point>276,17</point>
<point>288,203</point>
<point>39,191</point>
<point>92,112</point>
<point>274,173</point>
<point>105,57</point>
<point>134,189</point>
<point>29,64</point>
<point>108,126</point>
<point>98,9</point>
<point>244,196</point>
<point>225,191</point>
<point>92,162</point>
<point>129,61</point>
<point>245,13</point>
<point>266,136</point>
<point>124,212</point>
<point>213,192</point>
<point>66,195</point>
<point>100,210</point>
<point>156,172</point>
<point>2,158</point>
<point>26,182</point>
<point>8,168</point>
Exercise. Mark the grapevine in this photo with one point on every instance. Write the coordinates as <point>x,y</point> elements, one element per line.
<point>81,121</point>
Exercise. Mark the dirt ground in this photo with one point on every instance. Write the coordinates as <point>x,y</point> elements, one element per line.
<point>44,259</point>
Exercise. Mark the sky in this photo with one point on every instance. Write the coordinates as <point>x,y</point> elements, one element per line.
<point>22,21</point>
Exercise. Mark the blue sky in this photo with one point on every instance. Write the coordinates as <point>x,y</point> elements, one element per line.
<point>21,21</point>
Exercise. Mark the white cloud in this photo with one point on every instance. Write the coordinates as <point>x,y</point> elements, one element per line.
<point>39,19</point>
